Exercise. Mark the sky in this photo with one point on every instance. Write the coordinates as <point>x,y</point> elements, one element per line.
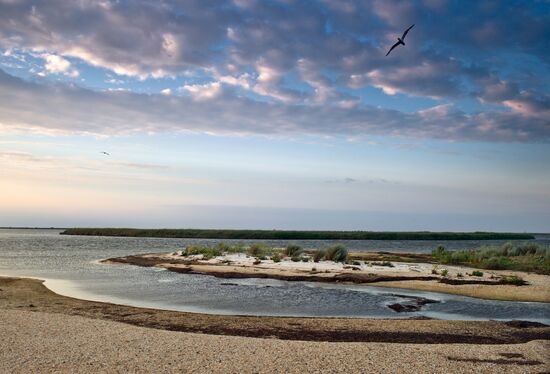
<point>276,114</point>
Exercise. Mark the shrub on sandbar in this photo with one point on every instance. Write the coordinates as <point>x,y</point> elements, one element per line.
<point>293,250</point>
<point>336,253</point>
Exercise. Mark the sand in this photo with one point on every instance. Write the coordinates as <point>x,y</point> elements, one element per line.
<point>45,342</point>
<point>45,332</point>
<point>411,275</point>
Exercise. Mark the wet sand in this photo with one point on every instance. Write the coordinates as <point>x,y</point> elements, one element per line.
<point>46,332</point>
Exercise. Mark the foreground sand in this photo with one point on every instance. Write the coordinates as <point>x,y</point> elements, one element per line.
<point>412,275</point>
<point>44,342</point>
<point>45,332</point>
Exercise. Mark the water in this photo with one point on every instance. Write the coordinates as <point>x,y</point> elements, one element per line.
<point>70,265</point>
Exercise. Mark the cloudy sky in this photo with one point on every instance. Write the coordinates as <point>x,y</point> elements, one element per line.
<point>275,114</point>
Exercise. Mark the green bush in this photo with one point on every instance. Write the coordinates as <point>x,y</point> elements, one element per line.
<point>477,273</point>
<point>293,250</point>
<point>497,263</point>
<point>295,259</point>
<point>336,253</point>
<point>276,257</point>
<point>257,250</point>
<point>444,272</point>
<point>305,259</point>
<point>205,251</point>
<point>513,279</point>
<point>530,257</point>
<point>318,255</point>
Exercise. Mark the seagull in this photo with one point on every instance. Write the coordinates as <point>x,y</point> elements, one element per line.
<point>400,40</point>
<point>106,153</point>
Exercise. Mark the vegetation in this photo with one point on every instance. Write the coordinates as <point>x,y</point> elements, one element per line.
<point>336,253</point>
<point>444,272</point>
<point>295,235</point>
<point>276,257</point>
<point>513,279</point>
<point>258,250</point>
<point>319,255</point>
<point>529,257</point>
<point>206,252</point>
<point>477,273</point>
<point>293,250</point>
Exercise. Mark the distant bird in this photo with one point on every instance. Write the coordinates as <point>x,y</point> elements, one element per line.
<point>400,40</point>
<point>106,153</point>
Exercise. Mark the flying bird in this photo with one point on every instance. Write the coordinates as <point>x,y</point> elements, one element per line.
<point>400,40</point>
<point>106,153</point>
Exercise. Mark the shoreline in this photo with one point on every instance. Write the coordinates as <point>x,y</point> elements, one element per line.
<point>414,276</point>
<point>23,294</point>
<point>250,234</point>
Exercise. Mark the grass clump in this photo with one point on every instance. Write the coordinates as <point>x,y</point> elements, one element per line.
<point>206,251</point>
<point>276,257</point>
<point>444,272</point>
<point>514,280</point>
<point>258,250</point>
<point>295,258</point>
<point>531,257</point>
<point>305,259</point>
<point>336,253</point>
<point>477,273</point>
<point>318,255</point>
<point>293,250</point>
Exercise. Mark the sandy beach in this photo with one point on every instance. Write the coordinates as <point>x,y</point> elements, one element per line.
<point>411,275</point>
<point>46,332</point>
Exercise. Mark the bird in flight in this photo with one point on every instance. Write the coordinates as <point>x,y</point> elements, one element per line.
<point>400,40</point>
<point>106,153</point>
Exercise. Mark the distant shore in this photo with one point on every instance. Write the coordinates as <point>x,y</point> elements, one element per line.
<point>412,275</point>
<point>296,235</point>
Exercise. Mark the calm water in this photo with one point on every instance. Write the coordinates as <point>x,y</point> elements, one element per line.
<point>69,263</point>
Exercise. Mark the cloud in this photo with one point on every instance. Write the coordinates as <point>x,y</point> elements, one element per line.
<point>17,160</point>
<point>301,67</point>
<point>60,108</point>
<point>143,38</point>
<point>346,180</point>
<point>58,65</point>
<point>203,91</point>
